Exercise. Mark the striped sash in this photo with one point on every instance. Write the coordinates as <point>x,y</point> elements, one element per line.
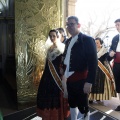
<point>55,75</point>
<point>106,72</point>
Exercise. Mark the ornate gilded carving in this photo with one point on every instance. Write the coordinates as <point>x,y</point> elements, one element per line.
<point>33,20</point>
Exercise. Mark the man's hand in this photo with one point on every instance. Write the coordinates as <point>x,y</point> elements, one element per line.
<point>87,88</point>
<point>64,85</point>
<point>61,71</point>
<point>112,53</point>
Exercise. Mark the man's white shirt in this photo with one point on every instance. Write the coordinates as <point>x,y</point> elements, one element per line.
<point>67,57</point>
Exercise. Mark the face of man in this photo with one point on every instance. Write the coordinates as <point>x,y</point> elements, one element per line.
<point>72,27</point>
<point>117,25</point>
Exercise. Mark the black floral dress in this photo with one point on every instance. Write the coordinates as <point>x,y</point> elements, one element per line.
<point>103,89</point>
<point>48,91</point>
<point>50,98</point>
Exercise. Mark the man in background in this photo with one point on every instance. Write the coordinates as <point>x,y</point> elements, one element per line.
<point>115,54</point>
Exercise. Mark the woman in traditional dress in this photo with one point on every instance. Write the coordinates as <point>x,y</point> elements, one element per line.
<point>50,102</point>
<point>104,87</point>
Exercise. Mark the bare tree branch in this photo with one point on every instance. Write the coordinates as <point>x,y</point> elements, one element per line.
<point>101,28</point>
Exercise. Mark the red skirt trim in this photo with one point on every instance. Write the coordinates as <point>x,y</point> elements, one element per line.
<point>57,113</point>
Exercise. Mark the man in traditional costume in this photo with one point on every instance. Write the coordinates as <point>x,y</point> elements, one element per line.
<point>80,64</point>
<point>115,54</point>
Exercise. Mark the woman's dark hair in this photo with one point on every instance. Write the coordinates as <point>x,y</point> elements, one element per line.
<point>101,41</point>
<point>61,31</point>
<point>53,30</point>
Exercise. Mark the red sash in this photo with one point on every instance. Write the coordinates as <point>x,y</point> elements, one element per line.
<point>78,76</point>
<point>117,57</point>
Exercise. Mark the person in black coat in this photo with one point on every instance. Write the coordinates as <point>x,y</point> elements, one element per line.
<point>115,54</point>
<point>80,64</point>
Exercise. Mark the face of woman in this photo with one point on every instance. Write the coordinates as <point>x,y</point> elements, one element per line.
<point>53,37</point>
<point>98,44</point>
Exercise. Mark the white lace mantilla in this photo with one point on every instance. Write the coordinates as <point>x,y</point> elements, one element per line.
<point>102,51</point>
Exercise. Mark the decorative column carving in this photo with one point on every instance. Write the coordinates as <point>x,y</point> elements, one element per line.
<point>33,20</point>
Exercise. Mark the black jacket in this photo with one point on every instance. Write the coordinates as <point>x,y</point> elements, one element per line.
<point>83,56</point>
<point>114,44</point>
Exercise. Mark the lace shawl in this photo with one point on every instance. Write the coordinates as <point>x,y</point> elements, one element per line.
<point>56,51</point>
<point>102,51</point>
